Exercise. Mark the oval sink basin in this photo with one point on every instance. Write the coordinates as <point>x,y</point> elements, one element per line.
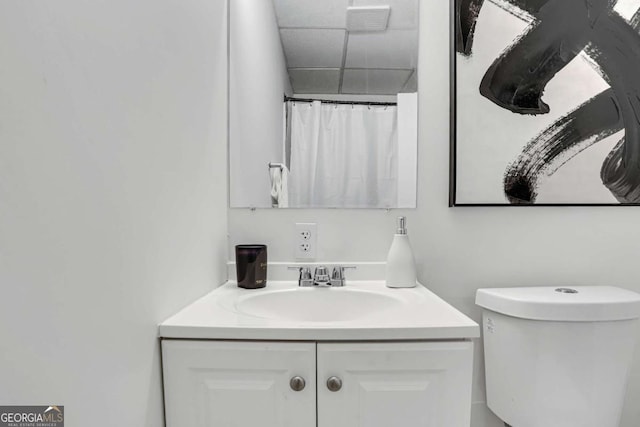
<point>316,304</point>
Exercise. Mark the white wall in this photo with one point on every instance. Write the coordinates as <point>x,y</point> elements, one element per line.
<point>112,195</point>
<point>407,149</point>
<point>258,82</point>
<point>461,249</point>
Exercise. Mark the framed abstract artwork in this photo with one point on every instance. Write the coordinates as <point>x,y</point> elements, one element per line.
<point>545,102</point>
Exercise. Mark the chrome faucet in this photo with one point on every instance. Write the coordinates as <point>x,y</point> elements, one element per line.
<point>321,276</point>
<point>337,276</point>
<point>305,277</point>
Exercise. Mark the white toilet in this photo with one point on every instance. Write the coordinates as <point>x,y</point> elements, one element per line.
<point>558,357</point>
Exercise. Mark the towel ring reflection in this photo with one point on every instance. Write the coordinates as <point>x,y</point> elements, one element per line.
<point>276,165</point>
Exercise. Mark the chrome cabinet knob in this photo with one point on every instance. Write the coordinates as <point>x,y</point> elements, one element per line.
<point>334,384</point>
<point>297,383</point>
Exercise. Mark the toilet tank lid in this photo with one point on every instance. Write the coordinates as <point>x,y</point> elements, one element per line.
<point>572,303</point>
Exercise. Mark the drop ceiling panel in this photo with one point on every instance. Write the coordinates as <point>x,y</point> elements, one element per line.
<point>389,49</point>
<point>311,13</point>
<point>313,48</point>
<point>374,82</point>
<point>325,80</point>
<point>404,13</point>
<point>368,19</point>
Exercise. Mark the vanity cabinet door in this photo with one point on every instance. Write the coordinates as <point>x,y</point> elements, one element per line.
<point>239,384</point>
<point>395,384</point>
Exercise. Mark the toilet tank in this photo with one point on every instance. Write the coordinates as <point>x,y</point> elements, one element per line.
<point>558,356</point>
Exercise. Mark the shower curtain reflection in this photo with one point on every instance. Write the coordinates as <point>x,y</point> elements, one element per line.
<point>343,155</point>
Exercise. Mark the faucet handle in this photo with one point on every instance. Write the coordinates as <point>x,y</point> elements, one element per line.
<point>337,276</point>
<point>321,274</point>
<point>304,278</point>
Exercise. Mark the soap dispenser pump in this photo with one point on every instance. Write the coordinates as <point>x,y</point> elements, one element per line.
<point>401,266</point>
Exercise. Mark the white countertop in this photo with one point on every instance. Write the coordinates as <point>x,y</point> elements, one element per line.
<point>419,315</point>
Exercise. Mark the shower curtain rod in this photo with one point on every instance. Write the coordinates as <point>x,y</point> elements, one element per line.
<point>326,101</point>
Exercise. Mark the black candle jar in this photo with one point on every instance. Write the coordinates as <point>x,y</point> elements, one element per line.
<point>251,266</point>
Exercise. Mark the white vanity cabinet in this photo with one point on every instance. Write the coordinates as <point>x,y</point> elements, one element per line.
<point>408,384</point>
<point>238,384</point>
<point>358,384</point>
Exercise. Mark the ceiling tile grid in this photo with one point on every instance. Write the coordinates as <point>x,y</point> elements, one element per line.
<point>388,49</point>
<point>315,80</point>
<point>323,57</point>
<point>404,13</point>
<point>311,13</point>
<point>313,48</point>
<point>374,81</point>
<point>368,19</point>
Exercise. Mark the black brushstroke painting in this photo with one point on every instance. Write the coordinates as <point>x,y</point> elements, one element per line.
<point>517,79</point>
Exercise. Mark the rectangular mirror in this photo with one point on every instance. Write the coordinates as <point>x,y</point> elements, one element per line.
<point>323,103</point>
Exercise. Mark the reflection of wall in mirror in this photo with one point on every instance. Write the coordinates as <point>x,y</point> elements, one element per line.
<point>258,80</point>
<point>407,149</point>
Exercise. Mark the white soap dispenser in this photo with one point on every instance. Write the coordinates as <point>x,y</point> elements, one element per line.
<point>401,266</point>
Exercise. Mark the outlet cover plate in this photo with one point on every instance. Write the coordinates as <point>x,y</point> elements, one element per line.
<point>305,240</point>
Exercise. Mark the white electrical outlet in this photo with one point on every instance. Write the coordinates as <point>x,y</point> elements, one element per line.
<point>304,240</point>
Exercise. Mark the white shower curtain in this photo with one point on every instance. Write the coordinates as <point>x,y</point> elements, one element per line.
<point>343,155</point>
